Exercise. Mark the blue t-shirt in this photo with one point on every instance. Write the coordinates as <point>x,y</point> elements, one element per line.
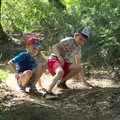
<point>24,62</point>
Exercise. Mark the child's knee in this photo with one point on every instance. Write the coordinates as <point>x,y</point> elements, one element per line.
<point>78,68</point>
<point>28,73</point>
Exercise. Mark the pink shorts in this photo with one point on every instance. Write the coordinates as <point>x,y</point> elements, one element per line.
<point>55,63</point>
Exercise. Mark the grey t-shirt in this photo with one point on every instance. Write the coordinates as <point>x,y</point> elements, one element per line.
<point>70,49</point>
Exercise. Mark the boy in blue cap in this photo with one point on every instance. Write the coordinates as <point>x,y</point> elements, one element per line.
<point>28,67</point>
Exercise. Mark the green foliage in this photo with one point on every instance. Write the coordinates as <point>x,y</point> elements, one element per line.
<point>57,19</point>
<point>3,75</point>
<point>5,54</point>
<point>35,15</point>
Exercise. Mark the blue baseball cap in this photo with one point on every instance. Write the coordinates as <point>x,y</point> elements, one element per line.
<point>37,44</point>
<point>84,31</point>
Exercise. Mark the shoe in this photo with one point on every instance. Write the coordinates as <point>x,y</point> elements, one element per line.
<point>49,95</point>
<point>62,85</point>
<point>27,89</point>
<point>33,88</point>
<point>20,88</point>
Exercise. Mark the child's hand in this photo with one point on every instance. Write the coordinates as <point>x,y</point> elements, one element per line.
<point>43,89</point>
<point>61,61</point>
<point>11,66</point>
<point>10,62</point>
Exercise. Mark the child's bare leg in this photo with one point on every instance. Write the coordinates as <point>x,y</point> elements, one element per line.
<point>59,73</point>
<point>81,76</point>
<point>41,69</point>
<point>24,79</point>
<point>74,70</point>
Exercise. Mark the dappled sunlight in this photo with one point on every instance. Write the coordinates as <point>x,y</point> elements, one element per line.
<point>103,83</point>
<point>11,81</point>
<point>74,103</point>
<point>73,84</point>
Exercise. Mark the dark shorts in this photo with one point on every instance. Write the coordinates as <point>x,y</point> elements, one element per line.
<point>53,64</point>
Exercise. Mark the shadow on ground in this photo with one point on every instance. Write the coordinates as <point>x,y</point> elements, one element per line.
<point>101,103</point>
<point>92,104</point>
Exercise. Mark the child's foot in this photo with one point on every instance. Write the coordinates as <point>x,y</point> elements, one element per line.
<point>27,89</point>
<point>33,88</point>
<point>21,89</point>
<point>62,85</point>
<point>49,95</point>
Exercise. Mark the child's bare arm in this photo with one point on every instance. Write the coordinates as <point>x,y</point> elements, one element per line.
<point>77,59</point>
<point>42,58</point>
<point>41,86</point>
<point>58,49</point>
<point>11,66</point>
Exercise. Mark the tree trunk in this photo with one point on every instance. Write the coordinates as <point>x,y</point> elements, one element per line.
<point>3,36</point>
<point>58,4</point>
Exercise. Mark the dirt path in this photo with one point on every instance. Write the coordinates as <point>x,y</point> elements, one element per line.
<point>77,104</point>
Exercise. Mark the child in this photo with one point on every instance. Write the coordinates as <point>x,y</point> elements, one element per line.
<point>60,63</point>
<point>28,68</point>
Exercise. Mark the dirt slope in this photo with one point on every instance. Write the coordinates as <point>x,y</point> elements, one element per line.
<point>76,104</point>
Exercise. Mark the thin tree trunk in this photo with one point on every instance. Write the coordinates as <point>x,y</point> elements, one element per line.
<point>3,36</point>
